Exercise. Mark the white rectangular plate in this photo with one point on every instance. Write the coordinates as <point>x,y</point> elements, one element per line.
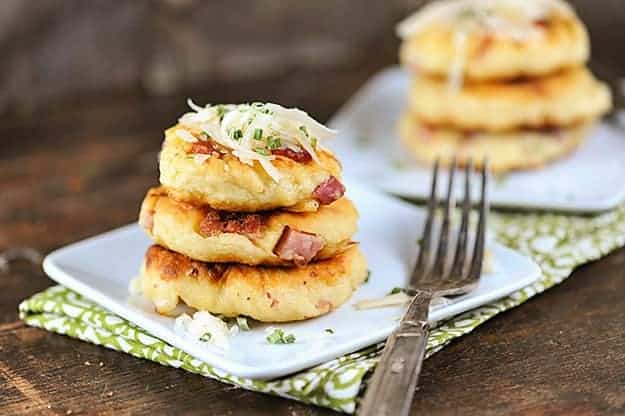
<point>101,268</point>
<point>592,179</point>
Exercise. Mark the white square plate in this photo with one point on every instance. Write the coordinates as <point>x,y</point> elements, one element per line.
<point>100,268</point>
<point>592,179</point>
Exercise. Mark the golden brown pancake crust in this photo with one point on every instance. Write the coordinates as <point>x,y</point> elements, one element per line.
<point>506,151</point>
<point>228,184</point>
<point>562,99</point>
<point>564,44</point>
<point>268,294</point>
<point>178,226</point>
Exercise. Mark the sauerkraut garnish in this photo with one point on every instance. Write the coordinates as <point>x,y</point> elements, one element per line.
<point>278,336</point>
<point>205,327</point>
<point>507,19</point>
<point>252,131</point>
<point>502,18</point>
<point>395,299</point>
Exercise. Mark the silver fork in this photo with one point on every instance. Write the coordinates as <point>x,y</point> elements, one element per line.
<point>394,381</point>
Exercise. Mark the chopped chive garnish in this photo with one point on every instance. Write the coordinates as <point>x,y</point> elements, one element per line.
<point>396,290</point>
<point>274,143</point>
<point>363,141</point>
<point>467,13</point>
<point>206,337</point>
<point>278,336</point>
<point>400,165</point>
<point>313,142</point>
<point>258,134</point>
<point>221,111</point>
<point>262,151</point>
<point>500,180</point>
<point>329,330</point>
<point>242,323</point>
<point>237,134</point>
<point>204,135</point>
<point>304,130</point>
<point>368,276</point>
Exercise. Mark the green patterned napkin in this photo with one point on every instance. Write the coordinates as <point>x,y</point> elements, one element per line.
<point>557,243</point>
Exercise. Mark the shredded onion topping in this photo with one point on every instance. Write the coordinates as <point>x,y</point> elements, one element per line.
<point>396,299</point>
<point>252,131</point>
<point>507,19</point>
<point>502,18</point>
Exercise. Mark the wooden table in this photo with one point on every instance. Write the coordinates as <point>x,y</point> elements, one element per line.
<point>83,169</point>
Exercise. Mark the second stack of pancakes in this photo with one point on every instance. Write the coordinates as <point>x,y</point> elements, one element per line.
<point>250,218</point>
<point>504,79</point>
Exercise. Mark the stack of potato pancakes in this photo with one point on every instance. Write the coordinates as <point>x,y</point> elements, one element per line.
<point>250,218</point>
<point>504,79</point>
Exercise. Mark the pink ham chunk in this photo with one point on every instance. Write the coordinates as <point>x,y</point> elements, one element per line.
<point>298,246</point>
<point>329,191</point>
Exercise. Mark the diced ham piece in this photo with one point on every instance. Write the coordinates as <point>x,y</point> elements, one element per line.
<point>215,223</point>
<point>324,305</point>
<point>415,67</point>
<point>210,224</point>
<point>484,46</point>
<point>202,148</point>
<point>426,133</point>
<point>329,191</point>
<point>301,156</point>
<point>298,246</point>
<point>241,223</point>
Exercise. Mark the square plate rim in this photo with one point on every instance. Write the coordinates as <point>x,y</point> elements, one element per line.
<point>589,206</point>
<point>53,266</point>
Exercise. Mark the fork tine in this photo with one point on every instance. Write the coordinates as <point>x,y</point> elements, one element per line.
<point>457,270</point>
<point>443,241</point>
<point>426,239</point>
<point>478,250</point>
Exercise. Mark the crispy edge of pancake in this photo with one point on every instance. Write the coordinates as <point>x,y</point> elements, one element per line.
<point>268,294</point>
<point>565,44</point>
<point>568,97</point>
<point>176,225</point>
<point>228,184</point>
<point>444,144</point>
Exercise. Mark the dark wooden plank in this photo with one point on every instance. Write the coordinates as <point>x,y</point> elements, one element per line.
<point>43,372</point>
<point>21,282</point>
<point>561,353</point>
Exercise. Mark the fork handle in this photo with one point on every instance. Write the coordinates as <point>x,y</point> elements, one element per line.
<point>393,383</point>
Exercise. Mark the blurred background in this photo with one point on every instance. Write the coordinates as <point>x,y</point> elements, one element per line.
<point>64,52</point>
<point>88,86</point>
